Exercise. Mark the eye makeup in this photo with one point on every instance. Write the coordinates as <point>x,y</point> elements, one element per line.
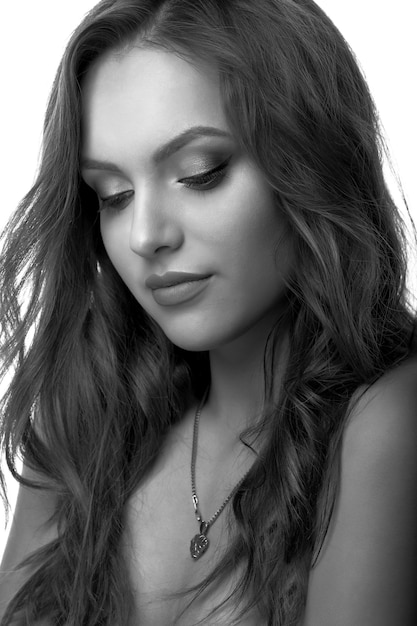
<point>199,164</point>
<point>208,179</point>
<point>200,171</point>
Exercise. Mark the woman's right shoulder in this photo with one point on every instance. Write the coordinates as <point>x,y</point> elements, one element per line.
<point>30,529</point>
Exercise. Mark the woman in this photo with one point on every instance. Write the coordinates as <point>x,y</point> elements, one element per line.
<point>217,409</point>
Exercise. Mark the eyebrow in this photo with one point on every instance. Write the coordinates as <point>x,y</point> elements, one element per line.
<point>164,151</point>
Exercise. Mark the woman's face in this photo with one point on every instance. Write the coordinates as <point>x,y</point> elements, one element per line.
<point>178,195</point>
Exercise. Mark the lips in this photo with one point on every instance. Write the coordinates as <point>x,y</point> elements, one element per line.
<point>172,278</point>
<point>177,288</point>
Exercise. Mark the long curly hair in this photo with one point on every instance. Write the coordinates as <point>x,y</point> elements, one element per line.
<point>96,384</point>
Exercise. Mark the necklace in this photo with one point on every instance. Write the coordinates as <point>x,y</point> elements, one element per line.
<point>199,542</point>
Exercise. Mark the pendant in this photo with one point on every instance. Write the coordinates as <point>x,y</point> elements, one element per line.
<point>199,544</point>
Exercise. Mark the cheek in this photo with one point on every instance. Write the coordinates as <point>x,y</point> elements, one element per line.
<point>116,244</point>
<point>114,234</point>
<point>270,258</point>
<point>258,234</point>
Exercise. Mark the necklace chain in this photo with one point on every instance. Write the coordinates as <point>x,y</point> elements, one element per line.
<point>200,543</point>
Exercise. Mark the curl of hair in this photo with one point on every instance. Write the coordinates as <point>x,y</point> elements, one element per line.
<point>98,384</point>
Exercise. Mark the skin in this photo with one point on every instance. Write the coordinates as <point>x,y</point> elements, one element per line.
<point>134,103</point>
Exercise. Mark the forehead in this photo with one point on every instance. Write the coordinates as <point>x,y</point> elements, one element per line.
<point>145,96</point>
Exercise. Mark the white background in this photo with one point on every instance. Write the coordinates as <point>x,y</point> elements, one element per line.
<point>381,33</point>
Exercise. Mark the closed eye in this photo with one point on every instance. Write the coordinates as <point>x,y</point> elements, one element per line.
<point>206,180</point>
<point>117,201</point>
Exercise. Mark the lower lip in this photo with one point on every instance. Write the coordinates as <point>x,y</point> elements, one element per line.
<point>177,294</point>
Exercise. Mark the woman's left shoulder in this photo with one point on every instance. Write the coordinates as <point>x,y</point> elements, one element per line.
<point>379,449</point>
<point>383,416</point>
<point>366,573</point>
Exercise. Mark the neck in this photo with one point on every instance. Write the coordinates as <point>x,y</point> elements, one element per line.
<point>236,396</point>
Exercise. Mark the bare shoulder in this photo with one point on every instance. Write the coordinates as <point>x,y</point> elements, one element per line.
<point>388,407</point>
<point>367,572</point>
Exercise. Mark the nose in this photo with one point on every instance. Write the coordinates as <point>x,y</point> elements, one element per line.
<point>155,224</point>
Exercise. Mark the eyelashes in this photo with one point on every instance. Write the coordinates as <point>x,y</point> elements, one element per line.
<point>206,180</point>
<point>117,201</point>
<point>201,182</point>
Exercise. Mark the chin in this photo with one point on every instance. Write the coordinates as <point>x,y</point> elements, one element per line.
<point>191,342</point>
<point>200,337</point>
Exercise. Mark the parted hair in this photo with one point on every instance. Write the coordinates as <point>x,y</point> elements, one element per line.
<point>96,384</point>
